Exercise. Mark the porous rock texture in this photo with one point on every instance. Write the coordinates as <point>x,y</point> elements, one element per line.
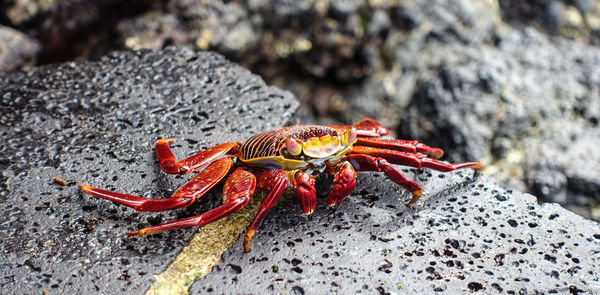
<point>467,235</point>
<point>97,122</point>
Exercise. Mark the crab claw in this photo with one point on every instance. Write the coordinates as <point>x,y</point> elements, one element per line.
<point>343,184</point>
<point>374,126</point>
<point>165,156</point>
<point>305,191</point>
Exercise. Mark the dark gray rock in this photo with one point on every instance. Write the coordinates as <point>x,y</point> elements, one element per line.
<point>343,8</point>
<point>97,122</point>
<point>528,107</point>
<point>572,19</point>
<point>533,115</point>
<point>408,55</point>
<point>319,39</point>
<point>17,51</point>
<point>585,6</point>
<point>466,236</point>
<point>68,30</point>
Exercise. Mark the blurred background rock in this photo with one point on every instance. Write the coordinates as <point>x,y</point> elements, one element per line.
<point>512,83</point>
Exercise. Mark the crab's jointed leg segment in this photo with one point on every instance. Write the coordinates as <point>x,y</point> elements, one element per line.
<point>409,146</point>
<point>135,202</point>
<point>412,160</point>
<point>343,183</point>
<point>236,193</point>
<point>367,163</point>
<point>276,181</point>
<point>184,196</point>
<point>169,164</point>
<point>205,180</point>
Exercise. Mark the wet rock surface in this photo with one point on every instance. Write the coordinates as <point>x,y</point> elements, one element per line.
<point>466,235</point>
<point>97,122</point>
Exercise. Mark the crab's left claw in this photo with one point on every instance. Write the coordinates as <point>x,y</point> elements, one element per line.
<point>343,184</point>
<point>372,126</point>
<point>367,127</point>
<point>169,164</point>
<point>305,191</point>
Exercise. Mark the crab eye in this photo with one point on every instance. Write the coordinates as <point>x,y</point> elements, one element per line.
<point>292,146</point>
<point>352,135</point>
<point>349,136</point>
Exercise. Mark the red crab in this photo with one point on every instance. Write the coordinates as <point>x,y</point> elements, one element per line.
<point>276,159</point>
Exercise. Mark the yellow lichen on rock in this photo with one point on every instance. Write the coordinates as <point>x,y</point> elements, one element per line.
<point>204,251</point>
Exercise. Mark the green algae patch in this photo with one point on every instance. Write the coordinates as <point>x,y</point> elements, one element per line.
<point>205,250</point>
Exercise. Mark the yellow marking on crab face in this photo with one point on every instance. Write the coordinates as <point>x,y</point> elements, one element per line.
<point>277,162</point>
<point>321,147</point>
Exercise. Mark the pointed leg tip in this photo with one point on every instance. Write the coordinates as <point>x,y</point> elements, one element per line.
<point>476,166</point>
<point>309,211</point>
<point>416,195</point>
<point>85,187</point>
<point>248,240</point>
<point>140,232</point>
<point>332,202</point>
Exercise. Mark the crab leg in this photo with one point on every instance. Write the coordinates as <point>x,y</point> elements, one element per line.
<point>413,160</point>
<point>343,184</point>
<point>362,162</point>
<point>236,193</point>
<point>367,127</point>
<point>182,197</point>
<point>409,146</point>
<point>276,182</point>
<point>169,164</point>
